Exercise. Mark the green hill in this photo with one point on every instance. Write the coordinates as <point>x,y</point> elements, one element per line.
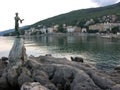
<point>78,16</point>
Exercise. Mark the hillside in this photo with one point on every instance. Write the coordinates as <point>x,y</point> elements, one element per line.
<point>75,17</point>
<point>6,31</point>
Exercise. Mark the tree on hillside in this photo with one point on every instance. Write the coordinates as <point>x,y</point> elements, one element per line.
<point>115,30</point>
<point>61,29</point>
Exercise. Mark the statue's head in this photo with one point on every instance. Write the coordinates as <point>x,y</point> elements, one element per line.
<point>16,13</point>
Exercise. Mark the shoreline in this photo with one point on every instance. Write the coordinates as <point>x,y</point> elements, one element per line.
<point>59,74</point>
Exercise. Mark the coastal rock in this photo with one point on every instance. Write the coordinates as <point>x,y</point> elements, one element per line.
<point>2,67</point>
<point>32,64</point>
<point>18,52</point>
<point>12,76</point>
<point>3,62</point>
<point>4,58</point>
<point>25,76</point>
<point>3,82</point>
<point>81,79</point>
<point>101,80</point>
<point>43,79</point>
<point>58,74</point>
<point>40,76</point>
<point>66,77</point>
<point>33,86</point>
<point>77,59</point>
<point>116,87</point>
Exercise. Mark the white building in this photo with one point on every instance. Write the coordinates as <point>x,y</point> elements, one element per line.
<point>103,26</point>
<point>28,32</point>
<point>84,30</point>
<point>70,29</point>
<point>50,30</point>
<point>55,28</point>
<point>43,30</point>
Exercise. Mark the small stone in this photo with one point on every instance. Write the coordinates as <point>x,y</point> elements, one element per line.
<point>4,58</point>
<point>33,86</point>
<point>48,55</point>
<point>77,59</point>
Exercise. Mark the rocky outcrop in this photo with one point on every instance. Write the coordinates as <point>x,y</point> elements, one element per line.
<point>3,82</point>
<point>57,74</point>
<point>18,52</point>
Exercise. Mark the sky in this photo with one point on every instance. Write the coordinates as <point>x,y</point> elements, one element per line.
<point>33,11</point>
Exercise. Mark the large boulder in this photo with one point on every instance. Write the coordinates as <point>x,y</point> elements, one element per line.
<point>12,76</point>
<point>18,52</point>
<point>43,78</point>
<point>66,77</point>
<point>25,76</point>
<point>32,64</point>
<point>100,79</point>
<point>3,82</point>
<point>40,76</point>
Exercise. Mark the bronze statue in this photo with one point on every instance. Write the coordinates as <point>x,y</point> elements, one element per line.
<point>17,19</point>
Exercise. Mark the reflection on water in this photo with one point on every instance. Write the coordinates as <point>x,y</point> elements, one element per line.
<point>104,52</point>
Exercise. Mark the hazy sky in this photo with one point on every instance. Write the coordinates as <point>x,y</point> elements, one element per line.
<point>36,10</point>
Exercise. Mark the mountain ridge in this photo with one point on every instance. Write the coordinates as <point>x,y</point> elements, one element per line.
<point>71,18</point>
<point>6,32</point>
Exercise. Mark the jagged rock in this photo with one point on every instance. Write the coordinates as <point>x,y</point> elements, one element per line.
<point>77,59</point>
<point>32,64</point>
<point>33,86</point>
<point>2,67</point>
<point>101,80</point>
<point>116,87</point>
<point>58,74</point>
<point>12,76</point>
<point>3,82</point>
<point>43,78</point>
<point>18,52</point>
<point>31,56</point>
<point>66,77</point>
<point>40,76</point>
<point>25,76</point>
<point>82,81</point>
<point>5,60</point>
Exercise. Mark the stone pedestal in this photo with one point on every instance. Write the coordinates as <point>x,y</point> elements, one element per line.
<point>17,54</point>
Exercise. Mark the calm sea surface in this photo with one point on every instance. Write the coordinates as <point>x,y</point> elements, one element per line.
<point>103,52</point>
